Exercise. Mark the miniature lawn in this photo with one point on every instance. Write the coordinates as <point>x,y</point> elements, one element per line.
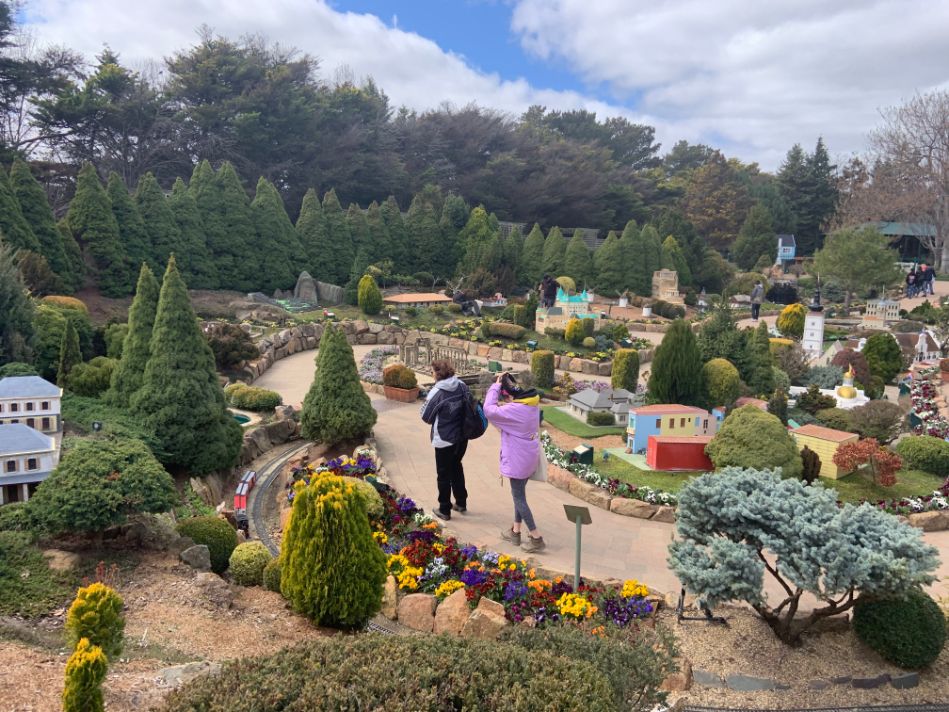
<point>573,426</point>
<point>909,483</point>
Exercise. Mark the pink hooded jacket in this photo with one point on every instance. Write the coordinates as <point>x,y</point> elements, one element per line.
<point>518,423</point>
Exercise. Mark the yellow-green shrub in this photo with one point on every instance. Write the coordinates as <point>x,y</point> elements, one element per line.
<point>240,395</point>
<point>574,332</point>
<point>504,330</point>
<point>65,303</point>
<point>247,563</point>
<point>271,577</point>
<point>398,375</point>
<point>85,671</point>
<point>96,614</point>
<point>542,368</point>
<point>625,373</point>
<point>216,534</point>
<point>791,321</point>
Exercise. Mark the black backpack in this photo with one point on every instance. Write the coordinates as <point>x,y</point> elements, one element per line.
<point>475,422</point>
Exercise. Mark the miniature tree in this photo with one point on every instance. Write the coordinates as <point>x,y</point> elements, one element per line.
<point>676,375</point>
<point>778,405</point>
<point>877,419</point>
<point>127,377</point>
<point>542,368</point>
<point>85,672</point>
<point>96,616</point>
<point>722,382</point>
<point>824,377</point>
<point>760,373</point>
<point>882,462</point>
<point>332,570</point>
<point>369,296</point>
<point>336,408</point>
<point>577,262</point>
<point>625,372</point>
<point>69,354</point>
<point>555,247</point>
<point>39,216</point>
<point>734,523</point>
<point>197,267</point>
<point>791,321</point>
<point>812,400</point>
<point>884,356</point>
<point>247,563</point>
<point>573,334</point>
<point>749,437</point>
<point>811,464</point>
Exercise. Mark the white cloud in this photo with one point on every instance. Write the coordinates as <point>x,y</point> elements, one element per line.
<point>756,76</point>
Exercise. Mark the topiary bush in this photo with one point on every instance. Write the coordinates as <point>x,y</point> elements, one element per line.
<point>240,395</point>
<point>791,321</point>
<point>332,570</point>
<point>625,373</point>
<point>908,631</point>
<point>542,368</point>
<point>398,375</point>
<point>588,326</point>
<point>921,452</point>
<point>722,382</point>
<point>96,615</point>
<point>555,333</point>
<point>91,379</point>
<point>85,672</point>
<point>422,673</point>
<point>369,297</point>
<point>504,330</point>
<point>589,342</point>
<point>271,576</point>
<point>247,563</point>
<point>600,419</point>
<point>574,332</point>
<point>216,534</point>
<point>749,437</point>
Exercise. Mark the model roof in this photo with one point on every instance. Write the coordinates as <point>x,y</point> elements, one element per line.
<point>682,439</point>
<point>667,409</point>
<point>18,438</point>
<point>27,387</point>
<point>787,241</point>
<point>822,433</point>
<point>600,399</point>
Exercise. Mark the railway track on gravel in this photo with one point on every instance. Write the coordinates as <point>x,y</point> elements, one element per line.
<point>265,478</point>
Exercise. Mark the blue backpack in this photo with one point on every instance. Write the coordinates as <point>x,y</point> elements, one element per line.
<point>475,420</point>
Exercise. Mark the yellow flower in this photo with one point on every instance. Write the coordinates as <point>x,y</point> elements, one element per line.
<point>438,548</point>
<point>380,537</point>
<point>503,560</point>
<point>573,605</point>
<point>632,588</point>
<point>448,587</point>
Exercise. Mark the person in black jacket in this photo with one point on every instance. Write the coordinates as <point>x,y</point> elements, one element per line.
<point>444,410</point>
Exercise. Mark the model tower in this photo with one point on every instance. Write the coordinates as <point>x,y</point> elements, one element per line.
<point>814,327</point>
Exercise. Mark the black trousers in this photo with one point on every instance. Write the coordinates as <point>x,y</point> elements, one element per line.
<point>755,308</point>
<point>451,476</point>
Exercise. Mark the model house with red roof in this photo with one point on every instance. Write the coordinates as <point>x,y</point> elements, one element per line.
<point>670,420</point>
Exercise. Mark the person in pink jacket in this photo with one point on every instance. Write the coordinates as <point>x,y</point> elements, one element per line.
<point>515,412</point>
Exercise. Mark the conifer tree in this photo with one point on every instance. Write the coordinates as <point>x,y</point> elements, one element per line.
<point>16,311</point>
<point>197,267</point>
<point>311,232</point>
<point>360,264</point>
<point>39,216</point>
<point>453,219</point>
<point>358,227</point>
<point>555,247</point>
<point>77,268</point>
<point>652,253</point>
<point>634,258</point>
<point>380,246</point>
<point>532,257</point>
<point>238,224</point>
<point>478,240</point>
<point>181,399</point>
<point>676,375</point>
<point>336,408</point>
<point>128,373</point>
<point>755,238</point>
<point>514,253</point>
<point>277,244</point>
<point>609,265</point>
<point>674,258</point>
<point>760,364</point>
<point>93,225</point>
<point>160,224</point>
<point>69,353</point>
<point>14,227</point>
<point>424,234</point>
<point>400,246</point>
<point>135,240</point>
<point>368,295</point>
<point>578,263</point>
<point>85,672</point>
<point>340,257</point>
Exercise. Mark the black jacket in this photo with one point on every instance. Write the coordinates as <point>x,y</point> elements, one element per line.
<point>444,409</point>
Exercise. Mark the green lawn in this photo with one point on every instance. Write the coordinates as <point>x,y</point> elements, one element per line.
<point>629,473</point>
<point>577,428</point>
<point>909,483</point>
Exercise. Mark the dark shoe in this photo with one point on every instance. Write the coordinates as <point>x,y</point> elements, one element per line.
<point>534,545</point>
<point>442,515</point>
<point>511,536</point>
<point>458,508</point>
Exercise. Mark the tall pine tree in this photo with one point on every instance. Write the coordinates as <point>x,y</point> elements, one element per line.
<point>39,216</point>
<point>635,261</point>
<point>652,253</point>
<point>129,372</point>
<point>755,238</point>
<point>16,230</point>
<point>93,225</point>
<point>760,364</point>
<point>676,375</point>
<point>673,258</point>
<point>610,263</point>
<point>358,227</point>
<point>197,267</point>
<point>181,399</point>
<point>555,247</point>
<point>400,246</point>
<point>73,253</point>
<point>238,225</point>
<point>424,234</point>
<point>380,246</point>
<point>578,263</point>
<point>532,257</point>
<point>339,258</point>
<point>311,232</point>
<point>135,240</point>
<point>69,354</point>
<point>277,243</point>
<point>479,242</point>
<point>16,311</point>
<point>454,217</point>
<point>160,223</point>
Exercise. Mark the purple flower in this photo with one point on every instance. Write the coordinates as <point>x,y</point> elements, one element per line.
<point>421,535</point>
<point>514,589</point>
<point>473,577</point>
<point>405,505</point>
<point>469,552</point>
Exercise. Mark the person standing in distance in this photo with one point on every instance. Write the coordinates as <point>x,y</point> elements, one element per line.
<point>444,410</point>
<point>757,297</point>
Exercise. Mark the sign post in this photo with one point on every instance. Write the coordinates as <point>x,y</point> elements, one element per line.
<point>581,516</point>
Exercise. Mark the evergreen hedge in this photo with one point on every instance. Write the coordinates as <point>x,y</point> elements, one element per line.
<point>216,534</point>
<point>909,631</point>
<point>924,452</point>
<point>240,395</point>
<point>507,331</point>
<point>542,368</point>
<point>247,563</point>
<point>600,419</point>
<point>625,372</point>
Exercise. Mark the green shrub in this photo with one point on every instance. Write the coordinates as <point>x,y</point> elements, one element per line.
<point>214,533</point>
<point>271,577</point>
<point>398,375</point>
<point>85,672</point>
<point>519,314</point>
<point>16,517</point>
<point>437,309</point>
<point>878,419</point>
<point>722,382</point>
<point>375,507</point>
<point>96,614</point>
<point>240,395</point>
<point>542,368</point>
<point>836,418</point>
<point>667,310</point>
<point>247,563</point>
<point>625,373</point>
<point>919,452</point>
<point>28,587</point>
<point>825,376</point>
<point>369,297</point>
<point>588,326</point>
<point>791,321</point>
<point>454,308</point>
<point>555,333</point>
<point>17,368</point>
<point>812,400</point>
<point>421,673</point>
<point>811,464</point>
<point>332,570</point>
<point>507,331</point>
<point>909,631</point>
<point>91,379</point>
<point>751,438</point>
<point>589,342</point>
<point>574,331</point>
<point>617,331</point>
<point>600,418</point>
<point>411,311</point>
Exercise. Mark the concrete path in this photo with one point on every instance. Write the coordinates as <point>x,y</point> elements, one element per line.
<point>613,545</point>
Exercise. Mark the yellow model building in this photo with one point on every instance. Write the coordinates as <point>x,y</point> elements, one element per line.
<point>824,441</point>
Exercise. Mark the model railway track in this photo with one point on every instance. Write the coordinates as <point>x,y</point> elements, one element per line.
<point>267,476</point>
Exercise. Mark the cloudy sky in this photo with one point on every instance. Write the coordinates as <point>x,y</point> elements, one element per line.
<point>747,76</point>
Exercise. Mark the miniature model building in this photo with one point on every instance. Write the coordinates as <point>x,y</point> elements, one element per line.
<point>672,420</point>
<point>880,313</point>
<point>672,453</point>
<point>847,395</point>
<point>566,306</point>
<point>918,347</point>
<point>787,247</point>
<point>612,401</point>
<point>419,300</point>
<point>665,286</point>
<point>27,457</point>
<point>824,441</point>
<point>813,342</point>
<point>34,402</point>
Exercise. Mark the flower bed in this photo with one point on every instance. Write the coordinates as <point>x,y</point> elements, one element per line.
<point>371,365</point>
<point>423,561</point>
<point>616,488</point>
<point>937,501</point>
<point>923,392</point>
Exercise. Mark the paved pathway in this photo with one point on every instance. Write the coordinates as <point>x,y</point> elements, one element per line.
<point>613,546</point>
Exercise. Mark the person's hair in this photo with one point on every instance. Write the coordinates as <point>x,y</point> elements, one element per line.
<point>443,369</point>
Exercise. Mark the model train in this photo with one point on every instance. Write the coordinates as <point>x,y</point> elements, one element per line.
<point>241,494</point>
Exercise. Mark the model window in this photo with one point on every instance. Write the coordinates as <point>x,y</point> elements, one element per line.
<point>29,406</point>
<point>672,422</point>
<point>14,407</point>
<point>45,405</point>
<point>682,422</point>
<point>1,407</point>
<point>31,422</point>
<point>705,424</point>
<point>31,464</point>
<point>658,423</point>
<point>45,423</point>
<point>11,465</point>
